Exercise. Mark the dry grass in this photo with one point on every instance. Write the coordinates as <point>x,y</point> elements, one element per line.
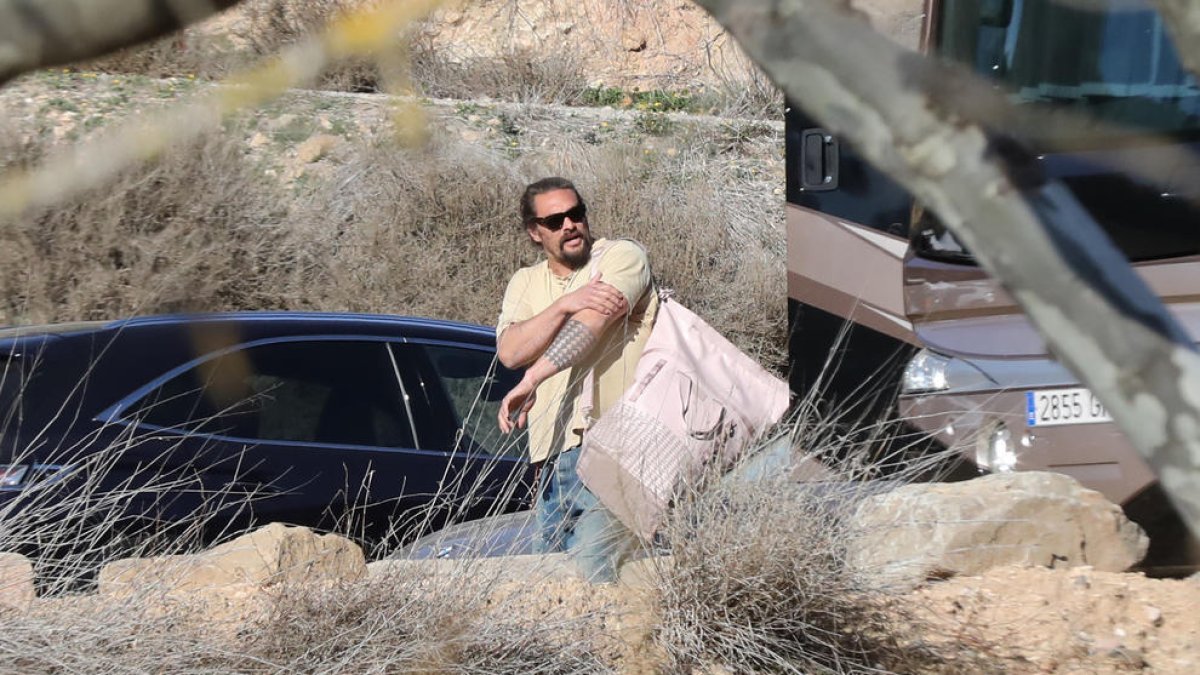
<point>424,621</point>
<point>457,618</point>
<point>199,230</point>
<point>271,25</point>
<point>760,579</point>
<point>450,619</point>
<point>435,232</point>
<point>742,89</point>
<point>759,582</point>
<point>522,75</point>
<point>416,623</point>
<point>430,232</point>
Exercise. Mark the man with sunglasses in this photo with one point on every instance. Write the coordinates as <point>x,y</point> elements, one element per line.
<point>587,306</point>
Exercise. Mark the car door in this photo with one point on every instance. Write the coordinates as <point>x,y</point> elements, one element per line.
<point>847,228</point>
<point>333,432</point>
<point>493,469</point>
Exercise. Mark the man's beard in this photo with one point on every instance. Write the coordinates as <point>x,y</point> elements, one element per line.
<point>579,258</point>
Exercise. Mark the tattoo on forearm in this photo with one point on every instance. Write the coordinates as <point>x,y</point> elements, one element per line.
<point>572,342</point>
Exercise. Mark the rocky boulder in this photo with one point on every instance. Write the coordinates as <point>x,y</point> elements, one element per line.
<point>16,581</point>
<point>918,532</point>
<point>482,571</point>
<point>273,554</point>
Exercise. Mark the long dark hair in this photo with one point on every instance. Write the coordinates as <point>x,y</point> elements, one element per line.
<point>528,214</point>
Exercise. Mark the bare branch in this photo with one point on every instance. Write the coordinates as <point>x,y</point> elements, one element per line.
<point>903,113</point>
<point>82,166</point>
<point>53,32</point>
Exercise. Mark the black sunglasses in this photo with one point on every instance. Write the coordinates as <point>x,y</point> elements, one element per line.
<point>554,221</point>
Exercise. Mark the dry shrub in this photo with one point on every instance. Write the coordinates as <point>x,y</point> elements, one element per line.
<point>741,89</point>
<point>761,577</point>
<point>89,634</point>
<point>199,229</point>
<point>270,25</point>
<point>452,622</point>
<point>437,620</point>
<point>430,616</point>
<point>189,52</point>
<point>431,232</point>
<point>548,75</point>
<point>760,582</point>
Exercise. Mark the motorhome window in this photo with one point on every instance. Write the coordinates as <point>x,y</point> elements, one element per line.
<point>1108,72</point>
<point>1109,59</point>
<point>1142,224</point>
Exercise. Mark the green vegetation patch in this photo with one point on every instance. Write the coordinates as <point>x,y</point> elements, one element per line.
<point>659,100</point>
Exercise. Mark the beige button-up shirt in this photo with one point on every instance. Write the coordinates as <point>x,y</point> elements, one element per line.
<point>556,421</point>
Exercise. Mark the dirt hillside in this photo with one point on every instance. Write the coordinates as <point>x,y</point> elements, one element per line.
<point>618,43</point>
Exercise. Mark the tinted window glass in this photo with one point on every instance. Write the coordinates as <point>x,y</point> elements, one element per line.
<point>1108,59</point>
<point>475,383</point>
<point>323,392</point>
<point>12,383</point>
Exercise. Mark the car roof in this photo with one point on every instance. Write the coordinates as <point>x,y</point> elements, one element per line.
<point>310,320</point>
<point>51,329</point>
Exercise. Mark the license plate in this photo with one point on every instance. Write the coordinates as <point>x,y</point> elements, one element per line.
<point>1051,407</point>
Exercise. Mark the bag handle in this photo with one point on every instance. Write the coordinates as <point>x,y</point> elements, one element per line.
<point>686,396</point>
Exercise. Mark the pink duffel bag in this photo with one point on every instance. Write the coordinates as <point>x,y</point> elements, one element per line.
<point>696,399</point>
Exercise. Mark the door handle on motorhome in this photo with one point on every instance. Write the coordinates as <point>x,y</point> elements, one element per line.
<point>818,160</point>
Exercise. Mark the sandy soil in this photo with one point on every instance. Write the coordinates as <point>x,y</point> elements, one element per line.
<point>1037,620</point>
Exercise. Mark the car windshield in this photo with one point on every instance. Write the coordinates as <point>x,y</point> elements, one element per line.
<point>1112,83</point>
<point>1108,60</point>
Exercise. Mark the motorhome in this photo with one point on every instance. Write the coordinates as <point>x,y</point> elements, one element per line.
<point>912,317</point>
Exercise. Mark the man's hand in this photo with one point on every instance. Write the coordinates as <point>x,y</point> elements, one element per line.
<point>523,342</point>
<point>595,295</point>
<point>514,409</point>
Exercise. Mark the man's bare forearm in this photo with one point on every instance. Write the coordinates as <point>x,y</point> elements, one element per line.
<point>523,342</point>
<point>568,348</point>
<point>573,343</point>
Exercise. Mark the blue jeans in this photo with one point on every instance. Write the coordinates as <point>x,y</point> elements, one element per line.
<point>570,518</point>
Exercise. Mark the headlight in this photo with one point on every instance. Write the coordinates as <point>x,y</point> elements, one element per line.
<point>25,475</point>
<point>996,450</point>
<point>11,475</point>
<point>925,372</point>
<point>930,372</point>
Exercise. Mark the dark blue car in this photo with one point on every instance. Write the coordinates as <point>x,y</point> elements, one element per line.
<point>379,426</point>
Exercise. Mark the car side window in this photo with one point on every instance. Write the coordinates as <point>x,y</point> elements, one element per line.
<point>338,392</point>
<point>475,383</point>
